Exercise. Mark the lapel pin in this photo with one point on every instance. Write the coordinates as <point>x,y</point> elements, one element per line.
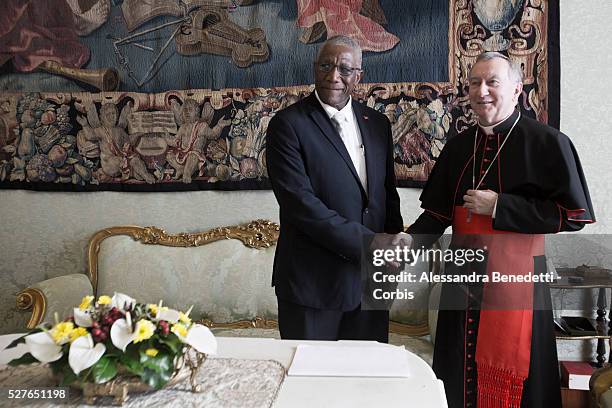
<point>365,117</point>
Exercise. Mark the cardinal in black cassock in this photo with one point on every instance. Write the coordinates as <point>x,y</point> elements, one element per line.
<point>495,343</point>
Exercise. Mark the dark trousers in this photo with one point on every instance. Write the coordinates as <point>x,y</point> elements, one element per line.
<point>297,322</point>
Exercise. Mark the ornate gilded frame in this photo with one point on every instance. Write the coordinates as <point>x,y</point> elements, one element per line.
<point>32,298</point>
<point>257,234</point>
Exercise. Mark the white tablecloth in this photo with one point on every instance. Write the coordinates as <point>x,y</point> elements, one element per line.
<point>421,389</point>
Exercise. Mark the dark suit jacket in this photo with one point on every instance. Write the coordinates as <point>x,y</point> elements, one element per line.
<point>325,214</point>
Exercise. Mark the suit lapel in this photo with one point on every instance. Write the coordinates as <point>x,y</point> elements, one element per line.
<point>319,116</point>
<point>368,143</point>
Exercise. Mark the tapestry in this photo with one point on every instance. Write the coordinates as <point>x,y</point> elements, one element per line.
<point>171,95</point>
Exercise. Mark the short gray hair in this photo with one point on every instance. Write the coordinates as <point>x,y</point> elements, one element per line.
<point>514,70</point>
<point>345,41</point>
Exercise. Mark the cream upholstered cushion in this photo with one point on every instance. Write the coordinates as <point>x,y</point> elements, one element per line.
<point>62,294</point>
<point>434,306</point>
<point>413,311</point>
<point>225,280</point>
<point>605,400</point>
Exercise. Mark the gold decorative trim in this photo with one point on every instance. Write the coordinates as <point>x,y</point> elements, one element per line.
<point>254,323</point>
<point>408,329</point>
<point>263,323</point>
<point>258,234</point>
<point>32,298</point>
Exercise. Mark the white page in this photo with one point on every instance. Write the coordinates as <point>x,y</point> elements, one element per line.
<point>349,361</point>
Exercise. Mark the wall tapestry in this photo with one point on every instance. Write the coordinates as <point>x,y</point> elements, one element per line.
<point>169,95</point>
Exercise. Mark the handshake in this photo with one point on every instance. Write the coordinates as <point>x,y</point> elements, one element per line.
<point>389,243</point>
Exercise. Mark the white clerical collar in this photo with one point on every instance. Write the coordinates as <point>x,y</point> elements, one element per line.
<point>347,111</point>
<point>488,130</point>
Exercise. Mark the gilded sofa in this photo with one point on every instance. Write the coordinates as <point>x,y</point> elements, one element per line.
<point>224,273</point>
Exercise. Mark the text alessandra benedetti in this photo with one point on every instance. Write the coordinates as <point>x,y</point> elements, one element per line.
<point>495,277</point>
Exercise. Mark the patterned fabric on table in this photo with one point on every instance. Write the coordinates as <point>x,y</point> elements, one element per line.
<point>225,383</point>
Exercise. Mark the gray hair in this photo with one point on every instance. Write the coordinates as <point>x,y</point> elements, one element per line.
<point>345,41</point>
<point>514,70</point>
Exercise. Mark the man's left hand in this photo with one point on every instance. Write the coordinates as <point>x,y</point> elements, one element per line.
<point>480,201</point>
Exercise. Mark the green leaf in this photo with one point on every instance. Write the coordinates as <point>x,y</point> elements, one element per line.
<point>156,379</point>
<point>104,370</point>
<point>17,341</point>
<point>112,351</point>
<point>160,363</point>
<point>27,358</point>
<point>59,366</point>
<point>131,361</point>
<point>173,342</point>
<point>21,339</point>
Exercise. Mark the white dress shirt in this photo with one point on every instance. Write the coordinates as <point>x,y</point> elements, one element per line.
<point>346,124</point>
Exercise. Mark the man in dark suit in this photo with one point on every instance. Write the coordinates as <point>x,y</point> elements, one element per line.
<point>330,162</point>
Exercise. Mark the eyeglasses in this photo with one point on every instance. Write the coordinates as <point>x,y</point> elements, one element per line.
<point>343,70</point>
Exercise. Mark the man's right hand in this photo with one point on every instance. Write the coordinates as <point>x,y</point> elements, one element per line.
<point>390,241</point>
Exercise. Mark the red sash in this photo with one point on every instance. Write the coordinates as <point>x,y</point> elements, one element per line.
<point>503,346</point>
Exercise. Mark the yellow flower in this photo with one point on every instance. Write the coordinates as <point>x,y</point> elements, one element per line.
<point>151,352</point>
<point>184,318</point>
<point>61,332</point>
<point>144,330</point>
<point>78,332</point>
<point>105,300</point>
<point>179,329</point>
<point>86,302</point>
<point>153,308</point>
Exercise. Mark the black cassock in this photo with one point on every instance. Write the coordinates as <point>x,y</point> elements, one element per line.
<point>541,189</point>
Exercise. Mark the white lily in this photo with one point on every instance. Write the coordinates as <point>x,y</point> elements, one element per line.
<point>82,318</point>
<point>169,315</point>
<point>83,354</point>
<point>121,333</point>
<point>43,348</point>
<point>122,301</point>
<point>201,338</point>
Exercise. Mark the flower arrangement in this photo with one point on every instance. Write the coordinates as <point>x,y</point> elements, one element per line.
<point>116,336</point>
